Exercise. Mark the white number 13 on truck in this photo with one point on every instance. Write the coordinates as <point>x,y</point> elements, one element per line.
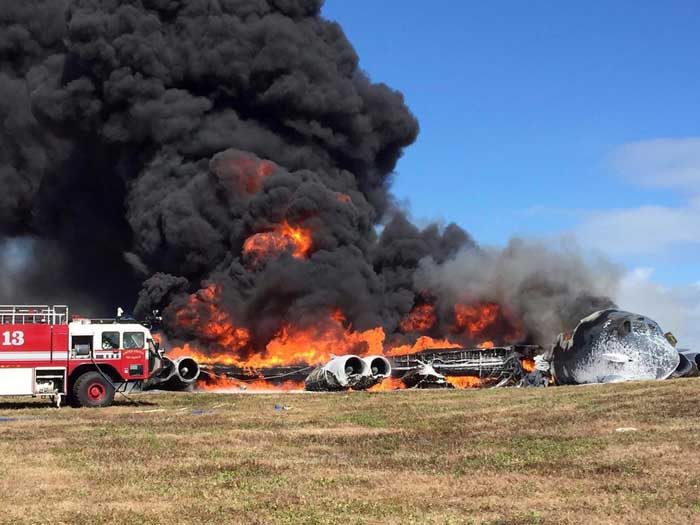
<point>12,338</point>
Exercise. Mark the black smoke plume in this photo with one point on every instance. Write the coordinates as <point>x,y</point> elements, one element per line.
<point>146,142</point>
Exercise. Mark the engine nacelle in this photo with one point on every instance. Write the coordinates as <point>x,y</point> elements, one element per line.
<point>378,369</point>
<point>340,373</point>
<point>187,370</point>
<point>379,366</point>
<point>177,374</point>
<point>166,370</point>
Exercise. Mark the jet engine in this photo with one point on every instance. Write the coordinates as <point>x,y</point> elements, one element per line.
<point>379,366</point>
<point>378,369</point>
<point>176,374</point>
<point>340,373</point>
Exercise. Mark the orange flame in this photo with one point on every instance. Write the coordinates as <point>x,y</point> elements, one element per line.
<point>338,315</point>
<point>465,382</point>
<point>218,383</point>
<point>231,345</point>
<point>485,320</point>
<point>422,343</point>
<point>390,383</point>
<point>474,319</point>
<point>246,174</point>
<point>292,345</point>
<point>209,322</point>
<point>313,346</point>
<point>421,319</point>
<point>342,197</point>
<point>528,364</point>
<point>284,238</point>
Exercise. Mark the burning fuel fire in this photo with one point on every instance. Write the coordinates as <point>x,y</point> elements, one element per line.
<point>421,319</point>
<point>465,382</point>
<point>484,320</point>
<point>474,319</point>
<point>422,343</point>
<point>225,343</point>
<point>223,383</point>
<point>216,338</point>
<point>390,383</point>
<point>528,365</point>
<point>245,173</point>
<point>283,239</point>
<point>211,323</point>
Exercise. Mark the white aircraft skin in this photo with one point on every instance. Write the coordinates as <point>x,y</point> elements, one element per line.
<point>611,346</point>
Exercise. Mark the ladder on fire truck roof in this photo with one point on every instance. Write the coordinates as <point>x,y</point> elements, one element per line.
<point>33,314</point>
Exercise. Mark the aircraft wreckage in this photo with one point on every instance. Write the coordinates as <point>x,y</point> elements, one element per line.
<point>175,374</point>
<point>611,346</point>
<point>349,371</point>
<point>607,346</point>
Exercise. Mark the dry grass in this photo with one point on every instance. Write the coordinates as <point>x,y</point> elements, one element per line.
<point>500,457</point>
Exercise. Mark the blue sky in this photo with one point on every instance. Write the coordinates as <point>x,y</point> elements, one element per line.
<point>544,119</point>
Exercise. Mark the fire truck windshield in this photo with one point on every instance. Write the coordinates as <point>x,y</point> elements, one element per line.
<point>134,340</point>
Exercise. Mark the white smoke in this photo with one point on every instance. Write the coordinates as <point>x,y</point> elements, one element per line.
<point>550,287</point>
<point>675,309</point>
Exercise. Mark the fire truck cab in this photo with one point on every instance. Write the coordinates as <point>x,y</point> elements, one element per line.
<point>43,353</point>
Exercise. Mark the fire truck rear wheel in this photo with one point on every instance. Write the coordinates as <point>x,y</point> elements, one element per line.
<point>92,390</point>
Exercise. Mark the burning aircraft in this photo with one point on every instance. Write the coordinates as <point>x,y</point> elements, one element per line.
<point>349,372</point>
<point>606,346</point>
<point>175,374</point>
<point>424,376</point>
<point>241,163</point>
<point>466,367</point>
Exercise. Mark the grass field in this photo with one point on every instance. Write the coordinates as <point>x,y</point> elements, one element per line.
<point>500,456</point>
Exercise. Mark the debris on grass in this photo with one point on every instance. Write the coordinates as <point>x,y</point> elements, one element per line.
<point>202,412</point>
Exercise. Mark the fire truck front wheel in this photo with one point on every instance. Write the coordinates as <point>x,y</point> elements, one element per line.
<point>92,390</point>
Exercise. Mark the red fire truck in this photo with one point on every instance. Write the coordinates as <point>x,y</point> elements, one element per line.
<point>43,353</point>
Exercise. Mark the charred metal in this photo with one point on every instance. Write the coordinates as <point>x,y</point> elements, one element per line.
<point>499,366</point>
<point>607,346</point>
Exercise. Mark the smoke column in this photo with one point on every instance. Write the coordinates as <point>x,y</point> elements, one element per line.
<point>229,161</point>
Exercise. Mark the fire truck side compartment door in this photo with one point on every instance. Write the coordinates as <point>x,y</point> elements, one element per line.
<point>16,382</point>
<point>59,343</point>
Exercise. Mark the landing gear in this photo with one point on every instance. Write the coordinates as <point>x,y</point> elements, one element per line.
<point>509,374</point>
